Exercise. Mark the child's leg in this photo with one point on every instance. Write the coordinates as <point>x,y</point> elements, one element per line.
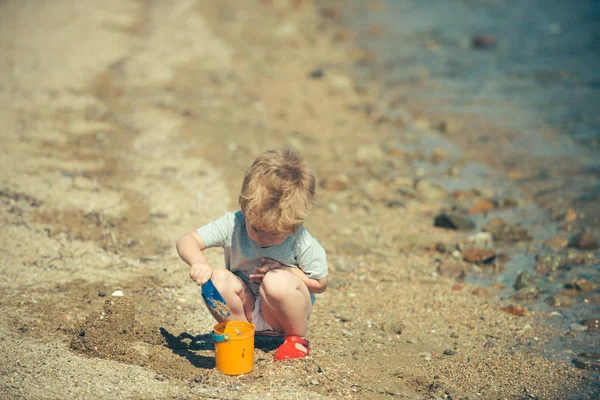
<point>285,302</point>
<point>236,294</point>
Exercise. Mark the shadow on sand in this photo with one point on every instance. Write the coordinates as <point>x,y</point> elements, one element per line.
<point>185,345</point>
<point>180,346</point>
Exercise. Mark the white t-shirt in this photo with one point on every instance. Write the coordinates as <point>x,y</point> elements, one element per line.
<point>242,255</point>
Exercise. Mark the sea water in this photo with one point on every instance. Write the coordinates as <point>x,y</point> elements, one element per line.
<point>542,74</point>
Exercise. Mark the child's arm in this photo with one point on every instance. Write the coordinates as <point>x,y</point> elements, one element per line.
<point>313,285</point>
<point>190,247</point>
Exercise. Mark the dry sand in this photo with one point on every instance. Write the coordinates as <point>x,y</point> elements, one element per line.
<point>127,124</point>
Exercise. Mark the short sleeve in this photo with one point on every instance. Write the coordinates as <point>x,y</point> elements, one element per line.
<point>218,232</point>
<point>313,260</point>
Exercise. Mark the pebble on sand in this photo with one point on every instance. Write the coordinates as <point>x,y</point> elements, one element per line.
<point>570,215</point>
<point>593,324</point>
<point>584,240</point>
<point>335,183</point>
<point>587,361</point>
<point>559,300</point>
<point>578,328</point>
<point>582,285</point>
<point>502,231</point>
<point>515,310</point>
<point>451,270</point>
<point>523,280</point>
<point>479,255</point>
<point>453,222</point>
<point>480,240</point>
<point>117,293</point>
<point>482,206</point>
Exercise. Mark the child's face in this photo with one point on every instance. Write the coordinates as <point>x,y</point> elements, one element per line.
<point>265,239</point>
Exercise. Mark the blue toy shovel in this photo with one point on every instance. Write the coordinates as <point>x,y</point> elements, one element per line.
<point>214,300</point>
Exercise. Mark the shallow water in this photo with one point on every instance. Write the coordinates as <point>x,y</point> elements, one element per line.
<point>546,61</point>
<point>542,75</point>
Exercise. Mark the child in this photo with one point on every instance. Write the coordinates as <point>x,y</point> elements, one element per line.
<point>273,265</point>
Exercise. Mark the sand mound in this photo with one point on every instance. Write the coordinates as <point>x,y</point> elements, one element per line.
<point>108,334</point>
<point>113,333</point>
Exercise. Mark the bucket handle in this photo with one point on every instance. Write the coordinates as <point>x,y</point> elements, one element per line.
<point>220,338</point>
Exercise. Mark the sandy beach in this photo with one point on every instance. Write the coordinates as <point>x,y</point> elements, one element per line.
<point>130,123</point>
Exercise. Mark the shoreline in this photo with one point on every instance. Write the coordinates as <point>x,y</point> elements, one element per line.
<point>453,155</point>
<point>104,173</point>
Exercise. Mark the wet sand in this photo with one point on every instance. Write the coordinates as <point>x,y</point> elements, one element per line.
<point>130,124</point>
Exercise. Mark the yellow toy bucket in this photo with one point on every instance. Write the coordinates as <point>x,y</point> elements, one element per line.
<point>234,347</point>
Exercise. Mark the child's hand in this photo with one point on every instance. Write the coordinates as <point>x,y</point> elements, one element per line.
<point>267,265</point>
<point>200,273</point>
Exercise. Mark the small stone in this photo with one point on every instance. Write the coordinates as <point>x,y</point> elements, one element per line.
<point>451,270</point>
<point>438,156</point>
<point>332,207</point>
<point>586,363</point>
<point>557,243</point>
<point>523,280</point>
<point>455,222</point>
<point>570,215</point>
<point>339,82</point>
<point>101,293</point>
<point>584,240</point>
<point>483,41</point>
<point>335,183</point>
<point>428,191</point>
<point>441,247</point>
<point>317,74</point>
<point>569,292</point>
<point>527,293</point>
<point>583,285</point>
<point>161,377</point>
<point>507,203</point>
<point>515,310</point>
<point>480,240</point>
<point>479,255</point>
<point>331,13</point>
<point>593,324</point>
<point>449,352</point>
<point>505,232</point>
<point>451,126</point>
<point>558,300</point>
<point>342,35</point>
<point>117,293</point>
<point>480,291</point>
<point>394,203</point>
<point>369,153</point>
<point>375,190</point>
<point>482,206</point>
<point>421,123</point>
<point>392,325</point>
<point>578,328</point>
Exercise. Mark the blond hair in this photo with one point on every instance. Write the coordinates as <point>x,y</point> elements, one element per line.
<point>278,192</point>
